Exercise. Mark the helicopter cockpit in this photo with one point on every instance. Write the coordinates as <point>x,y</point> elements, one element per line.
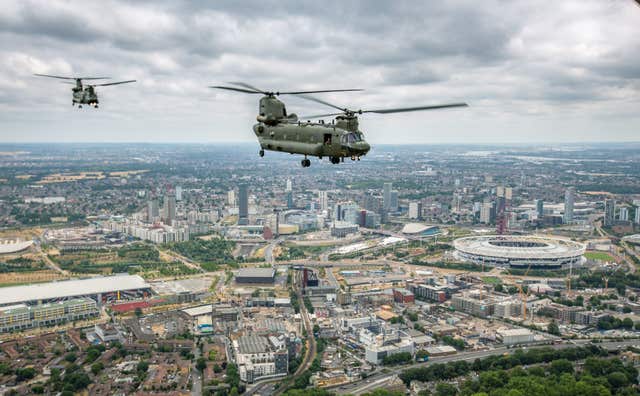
<point>352,137</point>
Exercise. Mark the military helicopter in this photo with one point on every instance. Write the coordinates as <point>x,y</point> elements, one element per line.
<point>278,131</point>
<point>85,94</point>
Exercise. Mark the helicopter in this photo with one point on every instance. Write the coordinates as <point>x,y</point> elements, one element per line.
<point>85,94</point>
<point>278,131</point>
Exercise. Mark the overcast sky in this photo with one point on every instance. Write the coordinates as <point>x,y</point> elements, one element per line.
<point>531,71</point>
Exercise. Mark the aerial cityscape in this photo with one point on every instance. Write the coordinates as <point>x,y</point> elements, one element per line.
<point>320,198</point>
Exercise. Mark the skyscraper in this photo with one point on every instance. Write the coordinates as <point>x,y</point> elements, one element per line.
<point>609,212</point>
<point>386,196</point>
<point>153,211</point>
<point>289,187</point>
<point>178,193</point>
<point>393,203</point>
<point>637,219</point>
<point>243,204</point>
<point>323,200</point>
<point>415,210</point>
<point>568,206</point>
<point>540,208</point>
<point>169,209</point>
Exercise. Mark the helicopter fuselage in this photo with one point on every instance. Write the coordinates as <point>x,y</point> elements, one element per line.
<point>311,139</point>
<point>85,95</point>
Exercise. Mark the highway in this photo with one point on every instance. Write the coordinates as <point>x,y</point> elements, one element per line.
<point>379,378</point>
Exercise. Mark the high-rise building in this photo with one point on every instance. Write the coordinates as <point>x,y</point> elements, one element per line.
<point>178,193</point>
<point>231,198</point>
<point>568,206</point>
<point>487,212</point>
<point>323,200</point>
<point>456,202</point>
<point>153,211</point>
<point>609,212</point>
<point>508,194</point>
<point>637,218</point>
<point>289,199</point>
<point>243,204</point>
<point>386,196</point>
<point>540,208</point>
<point>289,186</point>
<point>624,214</point>
<point>169,209</point>
<point>394,202</point>
<point>415,210</point>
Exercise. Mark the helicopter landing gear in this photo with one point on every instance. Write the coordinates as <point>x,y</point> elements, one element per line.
<point>261,153</point>
<point>79,106</point>
<point>335,160</point>
<point>305,163</point>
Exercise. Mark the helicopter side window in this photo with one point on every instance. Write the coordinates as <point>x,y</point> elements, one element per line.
<point>327,139</point>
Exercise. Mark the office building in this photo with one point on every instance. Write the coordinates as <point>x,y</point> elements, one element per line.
<point>243,204</point>
<point>540,209</point>
<point>568,206</point>
<point>178,193</point>
<point>394,202</point>
<point>609,212</point>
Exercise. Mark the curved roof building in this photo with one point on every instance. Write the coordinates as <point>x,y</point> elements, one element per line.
<point>419,229</point>
<point>510,251</point>
<point>13,246</point>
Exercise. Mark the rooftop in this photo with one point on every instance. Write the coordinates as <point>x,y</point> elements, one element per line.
<point>70,288</point>
<point>256,272</point>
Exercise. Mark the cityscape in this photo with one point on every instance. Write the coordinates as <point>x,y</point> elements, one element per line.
<point>336,198</point>
<point>172,269</point>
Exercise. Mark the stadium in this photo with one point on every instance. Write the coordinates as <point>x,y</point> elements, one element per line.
<point>519,251</point>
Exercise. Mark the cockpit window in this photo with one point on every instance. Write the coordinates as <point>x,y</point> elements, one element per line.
<point>351,138</point>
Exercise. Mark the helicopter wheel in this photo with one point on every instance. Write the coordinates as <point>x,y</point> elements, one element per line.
<point>335,160</point>
<point>305,163</point>
<point>261,153</point>
<point>79,106</point>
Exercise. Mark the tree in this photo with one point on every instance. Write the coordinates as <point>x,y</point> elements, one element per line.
<point>201,364</point>
<point>561,366</point>
<point>96,368</point>
<point>553,328</point>
<point>445,389</point>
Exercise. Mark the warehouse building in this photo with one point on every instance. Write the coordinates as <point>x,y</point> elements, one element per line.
<point>256,275</point>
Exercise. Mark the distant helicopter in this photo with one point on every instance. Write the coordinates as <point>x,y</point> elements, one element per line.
<point>85,94</point>
<point>340,139</point>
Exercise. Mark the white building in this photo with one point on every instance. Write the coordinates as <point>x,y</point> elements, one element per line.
<point>260,357</point>
<point>415,209</point>
<point>514,336</point>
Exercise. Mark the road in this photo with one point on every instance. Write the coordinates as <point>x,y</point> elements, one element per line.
<point>379,378</point>
<point>176,256</point>
<point>51,263</point>
<point>196,375</point>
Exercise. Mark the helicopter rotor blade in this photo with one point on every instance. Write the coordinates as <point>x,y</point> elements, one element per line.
<point>245,85</point>
<point>320,91</point>
<point>71,78</point>
<point>112,83</point>
<point>324,102</point>
<point>235,89</point>
<point>418,108</point>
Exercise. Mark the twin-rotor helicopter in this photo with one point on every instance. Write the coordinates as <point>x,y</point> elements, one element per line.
<point>85,94</point>
<point>278,131</point>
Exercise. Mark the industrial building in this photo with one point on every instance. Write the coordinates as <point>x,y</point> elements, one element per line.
<point>256,275</point>
<point>520,251</point>
<point>22,316</point>
<point>102,289</point>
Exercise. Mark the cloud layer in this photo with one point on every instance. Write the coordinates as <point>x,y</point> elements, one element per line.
<point>531,71</point>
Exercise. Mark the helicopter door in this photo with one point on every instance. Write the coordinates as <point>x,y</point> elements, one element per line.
<point>327,139</point>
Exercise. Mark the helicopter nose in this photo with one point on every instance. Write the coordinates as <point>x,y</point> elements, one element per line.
<point>364,146</point>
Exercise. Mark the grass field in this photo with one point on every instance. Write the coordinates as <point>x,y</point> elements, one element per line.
<point>601,256</point>
<point>492,280</point>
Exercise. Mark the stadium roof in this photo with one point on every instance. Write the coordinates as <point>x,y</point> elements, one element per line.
<point>70,288</point>
<point>8,246</point>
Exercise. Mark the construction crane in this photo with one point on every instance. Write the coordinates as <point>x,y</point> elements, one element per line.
<point>523,297</point>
